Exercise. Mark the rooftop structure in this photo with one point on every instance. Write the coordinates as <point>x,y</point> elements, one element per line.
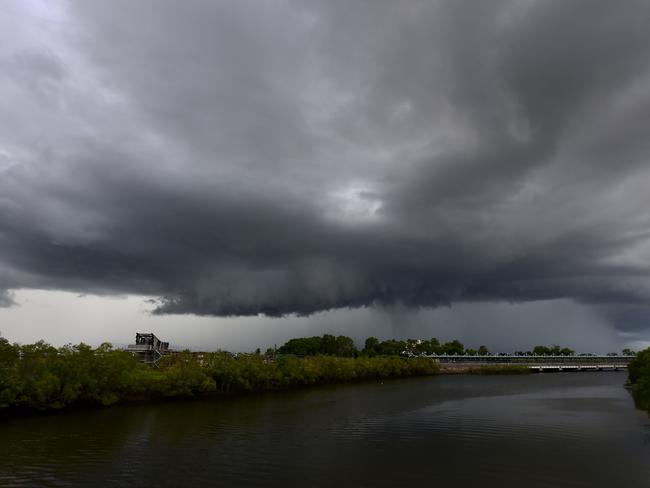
<point>148,348</point>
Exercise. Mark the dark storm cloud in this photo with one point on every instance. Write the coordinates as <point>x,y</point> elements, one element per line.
<point>238,158</point>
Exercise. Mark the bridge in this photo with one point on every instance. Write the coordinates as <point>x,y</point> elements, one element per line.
<point>540,363</point>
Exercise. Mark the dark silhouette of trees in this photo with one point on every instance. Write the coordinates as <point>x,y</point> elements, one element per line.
<point>639,379</point>
<point>327,345</point>
<point>371,347</point>
<point>553,350</point>
<point>453,347</point>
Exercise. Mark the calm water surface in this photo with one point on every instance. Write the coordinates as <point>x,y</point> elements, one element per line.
<point>549,430</point>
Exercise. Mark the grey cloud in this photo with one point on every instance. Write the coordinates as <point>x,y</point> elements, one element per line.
<point>236,158</point>
<point>6,299</point>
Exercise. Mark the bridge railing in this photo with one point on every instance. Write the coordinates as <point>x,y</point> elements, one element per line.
<point>532,359</point>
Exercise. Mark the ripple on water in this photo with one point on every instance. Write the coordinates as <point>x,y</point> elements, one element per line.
<point>463,430</point>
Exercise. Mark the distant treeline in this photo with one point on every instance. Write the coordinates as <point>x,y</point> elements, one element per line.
<point>41,377</point>
<point>639,378</point>
<point>343,346</point>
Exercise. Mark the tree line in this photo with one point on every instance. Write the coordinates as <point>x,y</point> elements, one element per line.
<point>343,346</point>
<point>41,377</point>
<point>639,379</point>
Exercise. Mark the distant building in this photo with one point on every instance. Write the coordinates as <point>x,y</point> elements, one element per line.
<point>148,348</point>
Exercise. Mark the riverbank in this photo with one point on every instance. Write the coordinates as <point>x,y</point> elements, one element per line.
<point>39,377</point>
<point>484,369</point>
<point>639,380</point>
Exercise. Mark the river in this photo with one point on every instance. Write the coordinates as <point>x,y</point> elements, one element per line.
<point>541,430</point>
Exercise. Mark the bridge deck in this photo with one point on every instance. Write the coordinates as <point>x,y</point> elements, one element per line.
<point>540,363</point>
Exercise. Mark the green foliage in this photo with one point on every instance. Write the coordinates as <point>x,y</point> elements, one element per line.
<point>391,347</point>
<point>412,347</point>
<point>371,347</point>
<point>639,378</point>
<point>243,372</point>
<point>453,347</point>
<point>328,344</point>
<point>41,377</point>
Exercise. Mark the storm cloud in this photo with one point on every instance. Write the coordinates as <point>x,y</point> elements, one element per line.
<point>243,158</point>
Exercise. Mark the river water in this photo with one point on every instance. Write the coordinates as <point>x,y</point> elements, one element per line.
<point>547,430</point>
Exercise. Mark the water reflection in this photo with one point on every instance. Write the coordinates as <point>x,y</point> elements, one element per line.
<point>574,429</point>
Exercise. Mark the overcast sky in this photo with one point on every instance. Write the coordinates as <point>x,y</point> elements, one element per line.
<point>234,173</point>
